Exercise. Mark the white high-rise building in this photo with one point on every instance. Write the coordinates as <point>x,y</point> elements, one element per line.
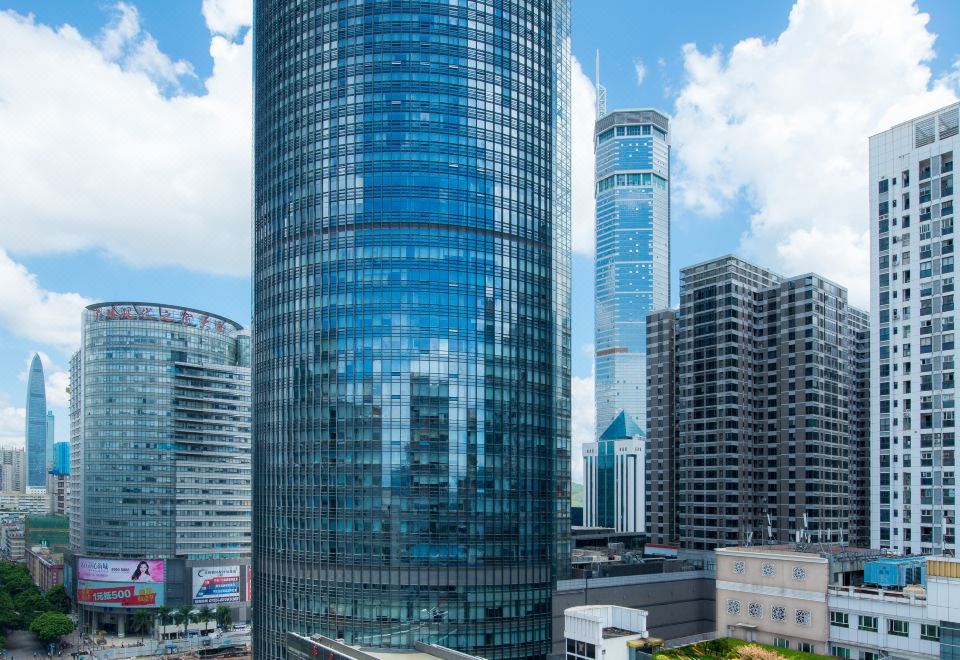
<point>913,327</point>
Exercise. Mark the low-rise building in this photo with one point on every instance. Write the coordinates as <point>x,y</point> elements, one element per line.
<point>678,594</point>
<point>867,624</point>
<point>605,631</point>
<point>783,597</point>
<point>11,542</point>
<point>301,647</point>
<point>773,597</point>
<point>46,567</point>
<point>49,531</point>
<point>29,502</point>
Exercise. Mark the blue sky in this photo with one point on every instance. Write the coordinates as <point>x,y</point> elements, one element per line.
<point>143,192</point>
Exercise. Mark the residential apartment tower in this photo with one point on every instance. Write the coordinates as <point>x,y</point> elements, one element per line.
<point>769,402</point>
<point>913,311</point>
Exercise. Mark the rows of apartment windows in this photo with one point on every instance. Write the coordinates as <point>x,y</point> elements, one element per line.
<point>872,624</point>
<point>936,345</point>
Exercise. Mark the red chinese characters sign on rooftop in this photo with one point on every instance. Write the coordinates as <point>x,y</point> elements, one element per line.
<point>172,315</point>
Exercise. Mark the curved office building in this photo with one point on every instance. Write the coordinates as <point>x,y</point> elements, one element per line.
<point>160,455</point>
<point>411,322</point>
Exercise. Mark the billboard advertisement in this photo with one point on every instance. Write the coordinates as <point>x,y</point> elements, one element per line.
<point>117,594</point>
<point>216,584</point>
<point>120,570</point>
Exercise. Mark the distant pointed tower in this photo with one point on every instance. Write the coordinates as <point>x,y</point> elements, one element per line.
<point>36,430</point>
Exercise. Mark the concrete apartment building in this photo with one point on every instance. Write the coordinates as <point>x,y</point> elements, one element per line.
<point>662,476</point>
<point>13,470</point>
<point>913,468</point>
<point>770,424</point>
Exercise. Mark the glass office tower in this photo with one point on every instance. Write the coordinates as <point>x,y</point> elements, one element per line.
<point>160,465</point>
<point>633,254</point>
<point>411,322</point>
<point>36,426</point>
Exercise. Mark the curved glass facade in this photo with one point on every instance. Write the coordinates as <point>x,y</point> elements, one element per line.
<point>36,426</point>
<point>411,322</point>
<point>163,456</point>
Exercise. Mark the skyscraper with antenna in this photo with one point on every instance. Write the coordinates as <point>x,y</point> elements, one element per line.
<point>632,266</point>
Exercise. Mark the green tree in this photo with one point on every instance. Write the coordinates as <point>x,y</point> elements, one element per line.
<point>183,618</point>
<point>30,605</point>
<point>51,626</point>
<point>142,622</point>
<point>165,614</point>
<point>58,599</point>
<point>9,618</point>
<point>16,580</point>
<point>224,619</point>
<point>205,614</point>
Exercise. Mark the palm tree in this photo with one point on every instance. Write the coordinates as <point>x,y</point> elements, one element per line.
<point>142,622</point>
<point>205,615</point>
<point>183,617</point>
<point>223,616</point>
<point>165,615</point>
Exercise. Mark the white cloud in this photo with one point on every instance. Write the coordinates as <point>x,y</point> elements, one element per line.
<point>584,113</point>
<point>31,312</point>
<point>227,17</point>
<point>122,41</point>
<point>785,125</point>
<point>582,422</point>
<point>56,388</point>
<point>12,425</point>
<point>640,70</point>
<point>97,154</point>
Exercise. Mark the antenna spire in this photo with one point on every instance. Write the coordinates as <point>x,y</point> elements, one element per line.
<point>601,92</point>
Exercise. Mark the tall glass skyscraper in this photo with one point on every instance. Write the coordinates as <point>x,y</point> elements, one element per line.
<point>633,254</point>
<point>36,429</point>
<point>411,322</point>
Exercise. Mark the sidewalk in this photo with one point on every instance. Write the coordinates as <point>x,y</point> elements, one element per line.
<point>117,649</point>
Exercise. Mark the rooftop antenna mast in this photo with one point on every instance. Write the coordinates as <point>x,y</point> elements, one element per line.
<point>601,93</point>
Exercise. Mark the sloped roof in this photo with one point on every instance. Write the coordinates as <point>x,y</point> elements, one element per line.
<point>622,428</point>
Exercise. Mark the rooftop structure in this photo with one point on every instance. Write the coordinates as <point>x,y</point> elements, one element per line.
<point>605,631</point>
<point>308,648</point>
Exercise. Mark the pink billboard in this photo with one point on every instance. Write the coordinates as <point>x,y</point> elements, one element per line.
<point>120,570</point>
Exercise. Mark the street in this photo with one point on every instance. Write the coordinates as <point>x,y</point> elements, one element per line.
<point>23,643</point>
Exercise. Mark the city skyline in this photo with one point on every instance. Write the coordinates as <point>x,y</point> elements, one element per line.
<point>162,55</point>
